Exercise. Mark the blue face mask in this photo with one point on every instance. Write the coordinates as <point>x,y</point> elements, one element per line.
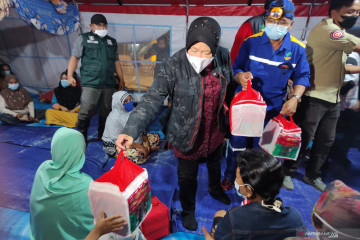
<point>237,187</point>
<point>129,106</point>
<point>13,86</point>
<point>64,83</point>
<point>7,72</point>
<point>275,31</point>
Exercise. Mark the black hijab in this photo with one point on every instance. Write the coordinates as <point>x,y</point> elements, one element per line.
<point>68,97</point>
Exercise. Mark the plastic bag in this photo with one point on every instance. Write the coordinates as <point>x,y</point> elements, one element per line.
<point>247,113</point>
<point>124,190</point>
<point>281,138</point>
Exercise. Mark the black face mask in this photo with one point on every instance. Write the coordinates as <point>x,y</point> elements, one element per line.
<point>349,21</point>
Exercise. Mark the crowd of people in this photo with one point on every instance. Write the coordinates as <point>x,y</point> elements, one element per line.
<point>304,80</point>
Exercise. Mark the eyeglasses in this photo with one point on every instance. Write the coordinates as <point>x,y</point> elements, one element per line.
<point>281,22</point>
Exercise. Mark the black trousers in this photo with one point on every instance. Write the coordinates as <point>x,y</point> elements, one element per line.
<point>187,175</point>
<point>317,119</point>
<point>90,98</point>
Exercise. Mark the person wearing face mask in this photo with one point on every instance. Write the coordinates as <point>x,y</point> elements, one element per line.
<point>269,59</point>
<point>196,78</point>
<point>122,106</point>
<point>16,104</point>
<point>328,47</point>
<point>259,178</point>
<point>66,107</point>
<point>4,71</point>
<point>99,60</point>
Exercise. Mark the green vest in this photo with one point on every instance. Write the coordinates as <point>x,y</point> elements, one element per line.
<point>98,61</point>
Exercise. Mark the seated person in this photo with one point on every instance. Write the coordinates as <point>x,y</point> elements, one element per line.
<point>16,104</point>
<point>59,203</point>
<point>259,178</point>
<point>66,109</point>
<point>4,71</point>
<point>122,105</point>
<point>336,214</point>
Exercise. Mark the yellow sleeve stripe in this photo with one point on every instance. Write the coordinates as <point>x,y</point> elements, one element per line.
<point>294,39</point>
<point>255,35</point>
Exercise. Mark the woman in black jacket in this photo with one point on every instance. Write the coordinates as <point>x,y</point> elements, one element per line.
<point>195,78</point>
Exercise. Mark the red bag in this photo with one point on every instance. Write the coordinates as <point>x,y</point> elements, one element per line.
<point>47,97</point>
<point>124,190</point>
<point>247,113</point>
<point>157,223</point>
<point>281,138</point>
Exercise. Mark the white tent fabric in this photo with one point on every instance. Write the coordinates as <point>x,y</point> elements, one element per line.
<point>38,58</point>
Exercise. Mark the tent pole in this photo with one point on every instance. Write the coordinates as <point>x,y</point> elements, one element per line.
<point>77,5</point>
<point>187,16</point>
<point>303,35</point>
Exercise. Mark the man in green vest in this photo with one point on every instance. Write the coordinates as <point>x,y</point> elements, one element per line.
<point>99,60</point>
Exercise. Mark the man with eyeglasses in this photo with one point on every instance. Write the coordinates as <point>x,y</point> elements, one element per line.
<point>99,61</point>
<point>269,59</point>
<point>327,50</point>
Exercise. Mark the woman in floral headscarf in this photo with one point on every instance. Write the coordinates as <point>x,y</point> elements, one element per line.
<point>337,212</point>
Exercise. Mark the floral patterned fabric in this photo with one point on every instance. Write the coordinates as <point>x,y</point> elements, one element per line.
<point>338,211</point>
<point>4,8</point>
<point>53,16</point>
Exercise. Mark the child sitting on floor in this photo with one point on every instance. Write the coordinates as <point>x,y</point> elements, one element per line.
<point>259,178</point>
<point>122,105</point>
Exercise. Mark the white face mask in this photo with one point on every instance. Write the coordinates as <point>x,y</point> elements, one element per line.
<point>101,33</point>
<point>237,187</point>
<point>198,63</point>
<point>13,86</point>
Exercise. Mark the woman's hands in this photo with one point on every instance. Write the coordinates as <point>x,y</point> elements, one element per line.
<point>123,142</point>
<point>106,225</point>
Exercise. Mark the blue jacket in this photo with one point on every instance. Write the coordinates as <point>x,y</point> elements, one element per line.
<point>272,69</point>
<point>253,221</point>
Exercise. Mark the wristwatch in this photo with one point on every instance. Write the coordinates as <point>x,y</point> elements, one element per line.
<point>297,97</point>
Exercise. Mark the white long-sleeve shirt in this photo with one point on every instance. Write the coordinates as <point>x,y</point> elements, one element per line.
<point>29,109</point>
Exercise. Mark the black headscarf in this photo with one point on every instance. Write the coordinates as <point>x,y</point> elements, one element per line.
<point>69,96</point>
<point>206,30</point>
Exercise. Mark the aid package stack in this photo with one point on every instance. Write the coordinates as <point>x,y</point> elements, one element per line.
<point>281,138</point>
<point>247,113</point>
<point>124,190</point>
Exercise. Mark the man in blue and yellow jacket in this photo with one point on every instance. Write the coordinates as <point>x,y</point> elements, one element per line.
<point>269,59</point>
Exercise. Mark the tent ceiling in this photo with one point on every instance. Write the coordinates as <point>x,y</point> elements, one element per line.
<point>197,2</point>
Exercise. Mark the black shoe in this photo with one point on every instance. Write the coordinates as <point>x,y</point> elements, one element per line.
<point>189,222</point>
<point>220,195</point>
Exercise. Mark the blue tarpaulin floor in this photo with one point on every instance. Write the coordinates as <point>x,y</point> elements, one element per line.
<point>24,148</point>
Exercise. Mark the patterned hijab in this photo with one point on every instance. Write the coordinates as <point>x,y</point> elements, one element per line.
<point>337,211</point>
<point>15,100</point>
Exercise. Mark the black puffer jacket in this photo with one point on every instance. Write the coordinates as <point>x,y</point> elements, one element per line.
<point>178,79</point>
